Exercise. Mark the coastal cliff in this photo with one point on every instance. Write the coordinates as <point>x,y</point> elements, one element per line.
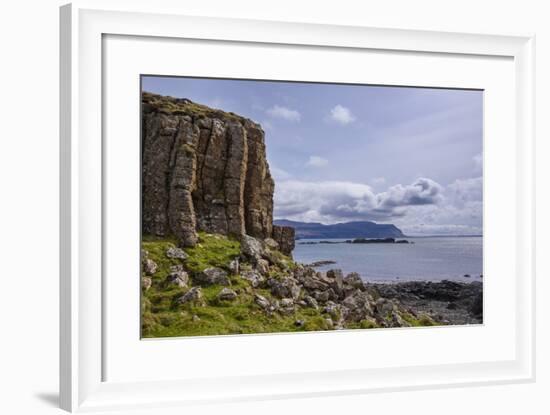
<point>204,170</point>
<point>213,262</point>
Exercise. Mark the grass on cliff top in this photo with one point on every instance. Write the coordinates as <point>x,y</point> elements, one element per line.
<point>175,106</point>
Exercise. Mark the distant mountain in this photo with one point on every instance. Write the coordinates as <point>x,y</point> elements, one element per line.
<point>359,229</point>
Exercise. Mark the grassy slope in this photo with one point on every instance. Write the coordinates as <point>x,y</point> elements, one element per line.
<point>161,317</point>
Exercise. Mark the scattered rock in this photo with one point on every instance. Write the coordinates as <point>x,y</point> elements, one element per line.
<point>311,302</point>
<point>195,318</point>
<point>227,294</point>
<point>252,247</point>
<point>262,301</point>
<point>176,253</point>
<point>262,266</point>
<point>299,323</point>
<point>191,296</point>
<point>284,288</point>
<point>146,283</point>
<point>254,277</point>
<point>149,266</point>
<point>354,280</point>
<point>212,276</point>
<point>178,277</point>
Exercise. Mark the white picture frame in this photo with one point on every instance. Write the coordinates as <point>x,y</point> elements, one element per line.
<point>84,26</point>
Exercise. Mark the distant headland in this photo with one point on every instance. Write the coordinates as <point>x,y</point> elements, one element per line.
<point>352,230</point>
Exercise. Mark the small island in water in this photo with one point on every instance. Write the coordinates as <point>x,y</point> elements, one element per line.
<point>213,260</point>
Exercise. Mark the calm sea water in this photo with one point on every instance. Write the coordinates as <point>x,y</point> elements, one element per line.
<point>429,258</point>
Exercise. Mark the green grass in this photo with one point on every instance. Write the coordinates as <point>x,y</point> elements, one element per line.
<point>163,317</point>
<point>173,106</point>
<point>212,251</point>
<point>421,321</point>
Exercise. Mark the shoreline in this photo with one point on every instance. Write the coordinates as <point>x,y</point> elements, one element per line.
<point>450,302</point>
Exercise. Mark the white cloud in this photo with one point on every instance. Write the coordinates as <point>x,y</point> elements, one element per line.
<point>341,115</point>
<point>316,161</point>
<point>285,113</point>
<point>334,201</point>
<point>378,181</point>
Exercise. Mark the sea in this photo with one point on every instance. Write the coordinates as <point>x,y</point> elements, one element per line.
<point>424,258</point>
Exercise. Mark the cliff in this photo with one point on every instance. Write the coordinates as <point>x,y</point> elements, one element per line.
<point>204,170</point>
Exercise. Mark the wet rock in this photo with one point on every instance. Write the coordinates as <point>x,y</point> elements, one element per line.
<point>477,305</point>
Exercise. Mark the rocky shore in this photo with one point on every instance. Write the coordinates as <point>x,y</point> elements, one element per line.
<point>225,286</point>
<point>448,302</point>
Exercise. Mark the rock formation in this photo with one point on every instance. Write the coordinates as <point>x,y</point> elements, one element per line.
<point>205,170</point>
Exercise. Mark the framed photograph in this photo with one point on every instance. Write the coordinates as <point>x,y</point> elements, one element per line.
<point>257,210</point>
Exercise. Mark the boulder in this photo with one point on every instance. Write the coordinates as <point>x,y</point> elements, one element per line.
<point>146,283</point>
<point>354,280</point>
<point>284,288</point>
<point>178,277</point>
<point>271,243</point>
<point>262,301</point>
<point>176,253</point>
<point>227,294</point>
<point>253,277</point>
<point>191,296</point>
<point>212,276</point>
<point>262,266</point>
<point>252,247</point>
<point>149,266</point>
<point>311,302</point>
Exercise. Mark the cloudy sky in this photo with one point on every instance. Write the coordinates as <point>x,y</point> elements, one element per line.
<point>407,156</point>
